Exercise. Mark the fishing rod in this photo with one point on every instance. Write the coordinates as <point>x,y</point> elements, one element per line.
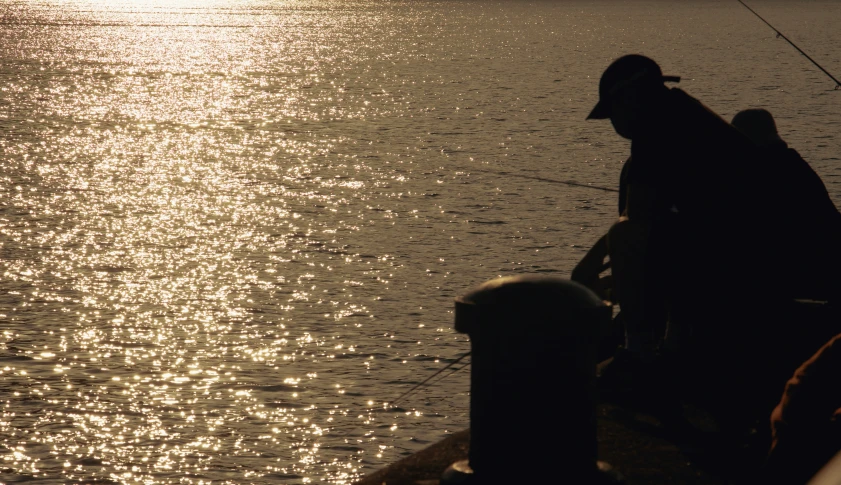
<point>453,372</point>
<point>596,187</point>
<point>507,174</point>
<point>544,179</point>
<point>430,377</point>
<point>780,34</point>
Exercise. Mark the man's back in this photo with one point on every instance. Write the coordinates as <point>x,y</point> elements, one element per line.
<point>799,193</point>
<point>809,224</point>
<point>805,226</point>
<point>701,170</point>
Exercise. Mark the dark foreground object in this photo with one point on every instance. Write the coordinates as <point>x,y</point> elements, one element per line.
<point>535,330</point>
<point>542,334</point>
<point>633,444</point>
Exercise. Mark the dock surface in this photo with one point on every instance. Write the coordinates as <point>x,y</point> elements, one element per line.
<point>633,444</point>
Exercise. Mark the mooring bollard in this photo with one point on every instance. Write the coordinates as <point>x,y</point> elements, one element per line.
<point>534,342</point>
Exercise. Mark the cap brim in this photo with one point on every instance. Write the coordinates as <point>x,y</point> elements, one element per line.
<point>600,112</point>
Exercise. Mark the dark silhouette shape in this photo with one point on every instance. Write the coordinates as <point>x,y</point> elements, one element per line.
<point>694,256</point>
<point>806,431</point>
<point>806,425</point>
<point>590,272</point>
<point>812,223</point>
<point>525,331</point>
<point>686,181</point>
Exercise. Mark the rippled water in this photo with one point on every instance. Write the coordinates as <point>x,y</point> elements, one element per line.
<point>231,230</point>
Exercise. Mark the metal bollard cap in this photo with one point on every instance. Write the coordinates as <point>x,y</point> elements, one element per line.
<point>527,293</point>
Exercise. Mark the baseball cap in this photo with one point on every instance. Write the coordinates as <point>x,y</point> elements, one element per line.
<point>632,69</point>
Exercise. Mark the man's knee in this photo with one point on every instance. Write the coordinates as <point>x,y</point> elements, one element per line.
<point>626,237</point>
<point>579,275</point>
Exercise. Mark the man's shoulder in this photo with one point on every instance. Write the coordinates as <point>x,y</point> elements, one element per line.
<point>698,126</point>
<point>785,158</point>
<point>681,94</point>
<point>793,154</point>
<point>681,97</point>
<point>684,104</point>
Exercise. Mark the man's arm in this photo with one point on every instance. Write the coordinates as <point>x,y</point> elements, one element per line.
<point>811,396</point>
<point>587,271</point>
<point>641,203</point>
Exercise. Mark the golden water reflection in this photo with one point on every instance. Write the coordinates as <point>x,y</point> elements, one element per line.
<point>231,230</point>
<point>172,228</point>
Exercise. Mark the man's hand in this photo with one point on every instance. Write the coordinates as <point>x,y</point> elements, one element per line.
<point>588,270</point>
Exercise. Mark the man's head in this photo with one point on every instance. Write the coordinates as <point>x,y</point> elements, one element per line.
<point>627,90</point>
<point>758,125</point>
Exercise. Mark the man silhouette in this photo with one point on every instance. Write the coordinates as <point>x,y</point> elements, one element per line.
<point>812,223</point>
<point>690,239</point>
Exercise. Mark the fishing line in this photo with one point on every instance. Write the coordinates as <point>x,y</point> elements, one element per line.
<point>544,179</point>
<point>780,34</point>
<point>505,174</point>
<point>588,186</point>
<point>430,378</point>
<point>453,372</point>
<point>437,381</point>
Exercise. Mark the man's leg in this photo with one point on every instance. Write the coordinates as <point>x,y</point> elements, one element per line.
<point>635,377</point>
<point>634,287</point>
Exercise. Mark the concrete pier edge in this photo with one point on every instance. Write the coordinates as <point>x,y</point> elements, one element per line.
<point>632,443</point>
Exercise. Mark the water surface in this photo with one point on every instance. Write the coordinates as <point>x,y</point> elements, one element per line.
<point>231,230</point>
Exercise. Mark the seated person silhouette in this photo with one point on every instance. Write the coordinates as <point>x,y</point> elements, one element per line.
<point>805,425</point>
<point>692,257</point>
<point>676,203</point>
<point>665,252</point>
<point>811,233</point>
